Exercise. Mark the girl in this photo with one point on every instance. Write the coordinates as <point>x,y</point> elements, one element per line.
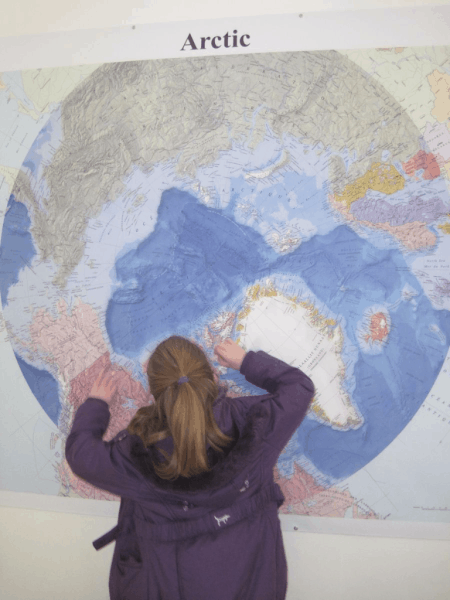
<point>198,516</point>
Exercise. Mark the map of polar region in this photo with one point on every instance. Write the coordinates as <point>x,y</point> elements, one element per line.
<point>300,244</point>
<point>160,292</point>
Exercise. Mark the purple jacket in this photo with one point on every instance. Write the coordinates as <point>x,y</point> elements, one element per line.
<point>215,536</point>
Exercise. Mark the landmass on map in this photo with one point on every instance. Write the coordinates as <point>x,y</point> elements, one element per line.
<point>407,223</point>
<point>72,342</point>
<point>304,496</point>
<point>290,327</point>
<point>423,161</point>
<point>225,100</point>
<point>437,134</point>
<point>440,86</point>
<point>280,162</point>
<point>8,175</point>
<point>374,328</point>
<point>130,396</point>
<point>437,137</point>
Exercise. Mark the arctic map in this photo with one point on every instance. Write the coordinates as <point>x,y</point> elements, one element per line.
<point>298,203</point>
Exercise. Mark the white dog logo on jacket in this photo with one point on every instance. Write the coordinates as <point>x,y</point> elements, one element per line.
<point>221,520</point>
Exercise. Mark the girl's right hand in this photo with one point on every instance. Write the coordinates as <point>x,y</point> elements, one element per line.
<point>106,384</point>
<point>229,354</point>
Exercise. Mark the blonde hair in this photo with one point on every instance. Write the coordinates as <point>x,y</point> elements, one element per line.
<point>182,410</point>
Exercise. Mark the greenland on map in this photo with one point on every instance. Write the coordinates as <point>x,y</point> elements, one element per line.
<point>296,202</point>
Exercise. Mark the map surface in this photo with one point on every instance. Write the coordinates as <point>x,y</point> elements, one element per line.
<point>297,202</point>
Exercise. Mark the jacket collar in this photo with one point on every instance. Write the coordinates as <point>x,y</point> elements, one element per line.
<point>228,465</point>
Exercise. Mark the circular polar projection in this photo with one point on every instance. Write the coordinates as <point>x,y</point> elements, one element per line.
<point>283,200</point>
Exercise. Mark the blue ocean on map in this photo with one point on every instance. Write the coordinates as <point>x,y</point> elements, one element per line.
<point>17,247</point>
<point>44,386</point>
<point>198,259</point>
<point>16,253</point>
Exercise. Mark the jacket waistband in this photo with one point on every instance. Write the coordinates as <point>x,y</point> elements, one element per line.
<point>213,521</point>
<point>106,539</point>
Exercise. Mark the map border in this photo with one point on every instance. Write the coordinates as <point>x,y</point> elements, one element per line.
<point>372,28</point>
<point>342,30</point>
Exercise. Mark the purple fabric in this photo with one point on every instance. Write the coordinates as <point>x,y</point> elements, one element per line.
<point>215,536</point>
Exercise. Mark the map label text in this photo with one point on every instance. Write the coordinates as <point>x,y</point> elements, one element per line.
<point>229,41</point>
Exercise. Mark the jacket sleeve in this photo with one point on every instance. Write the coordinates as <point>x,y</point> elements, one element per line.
<point>103,464</point>
<point>290,394</point>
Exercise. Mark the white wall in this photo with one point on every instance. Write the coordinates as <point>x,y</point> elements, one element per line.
<point>23,17</point>
<point>46,555</point>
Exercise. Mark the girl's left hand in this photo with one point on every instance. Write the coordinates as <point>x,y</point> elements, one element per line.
<point>106,384</point>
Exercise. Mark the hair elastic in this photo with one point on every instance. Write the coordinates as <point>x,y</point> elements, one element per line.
<point>183,379</point>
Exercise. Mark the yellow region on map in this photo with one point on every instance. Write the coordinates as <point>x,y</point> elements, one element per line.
<point>47,86</point>
<point>440,86</point>
<point>26,110</point>
<point>380,178</point>
<point>8,174</point>
<point>445,228</point>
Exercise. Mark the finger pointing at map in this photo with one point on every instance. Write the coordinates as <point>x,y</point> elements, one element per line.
<point>229,354</point>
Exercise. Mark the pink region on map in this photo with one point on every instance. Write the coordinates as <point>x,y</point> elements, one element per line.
<point>424,161</point>
<point>129,397</point>
<point>303,496</point>
<point>72,340</point>
<point>378,328</point>
<point>414,236</point>
<point>79,487</point>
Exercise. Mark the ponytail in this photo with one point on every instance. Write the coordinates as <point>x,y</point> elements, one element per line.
<point>183,386</point>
